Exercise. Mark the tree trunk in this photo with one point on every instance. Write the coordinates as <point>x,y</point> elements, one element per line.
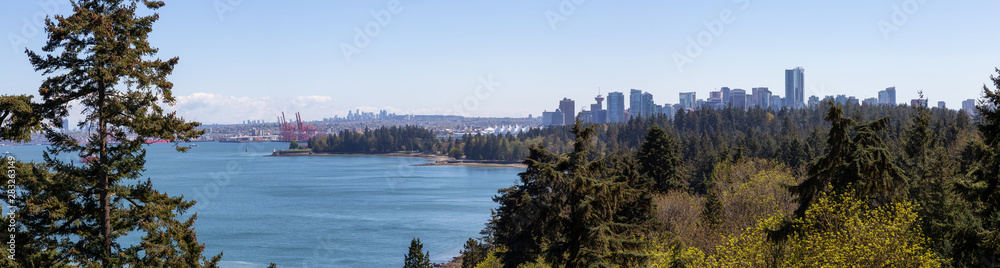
<point>103,178</point>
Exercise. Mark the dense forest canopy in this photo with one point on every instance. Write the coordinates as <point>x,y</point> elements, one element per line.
<point>830,185</point>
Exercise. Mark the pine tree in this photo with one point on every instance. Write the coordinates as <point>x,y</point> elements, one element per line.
<point>660,160</point>
<point>416,257</point>
<point>99,58</point>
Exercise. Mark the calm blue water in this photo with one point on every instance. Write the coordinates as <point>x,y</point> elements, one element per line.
<point>320,211</point>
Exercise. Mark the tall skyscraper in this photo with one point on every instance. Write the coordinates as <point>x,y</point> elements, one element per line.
<point>887,96</point>
<point>725,96</point>
<point>762,97</point>
<point>941,105</point>
<point>567,107</point>
<point>648,108</point>
<point>635,103</point>
<point>616,107</point>
<point>795,87</point>
<point>687,100</point>
<point>969,106</point>
<point>739,97</point>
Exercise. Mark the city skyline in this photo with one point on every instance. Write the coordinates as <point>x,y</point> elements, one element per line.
<point>510,59</point>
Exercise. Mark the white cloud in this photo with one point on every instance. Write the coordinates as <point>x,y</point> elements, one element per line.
<point>214,108</point>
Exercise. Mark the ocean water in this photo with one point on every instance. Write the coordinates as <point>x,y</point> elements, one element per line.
<point>320,211</point>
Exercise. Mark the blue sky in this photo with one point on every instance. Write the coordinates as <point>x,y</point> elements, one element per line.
<point>253,59</point>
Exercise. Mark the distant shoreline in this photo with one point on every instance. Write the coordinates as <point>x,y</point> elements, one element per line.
<point>439,160</point>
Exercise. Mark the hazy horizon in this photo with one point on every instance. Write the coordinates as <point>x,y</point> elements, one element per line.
<point>249,60</point>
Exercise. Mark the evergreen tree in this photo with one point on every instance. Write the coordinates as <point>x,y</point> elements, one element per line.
<point>660,160</point>
<point>919,140</point>
<point>18,118</point>
<point>473,253</point>
<point>416,257</point>
<point>863,165</point>
<point>572,211</point>
<point>712,216</point>
<point>829,167</point>
<point>984,189</point>
<point>99,58</point>
<point>872,170</point>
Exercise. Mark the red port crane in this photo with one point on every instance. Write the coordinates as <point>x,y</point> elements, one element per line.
<point>298,131</point>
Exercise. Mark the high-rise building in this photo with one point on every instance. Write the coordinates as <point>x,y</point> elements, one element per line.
<point>552,118</point>
<point>841,99</point>
<point>616,107</point>
<point>870,101</point>
<point>634,102</point>
<point>887,96</point>
<point>739,98</point>
<point>568,108</point>
<point>813,100</point>
<point>918,102</point>
<point>762,97</point>
<point>725,96</point>
<point>597,113</point>
<point>687,100</point>
<point>795,87</point>
<point>941,105</point>
<point>776,102</point>
<point>648,108</point>
<point>969,106</point>
<point>669,110</point>
<point>714,100</point>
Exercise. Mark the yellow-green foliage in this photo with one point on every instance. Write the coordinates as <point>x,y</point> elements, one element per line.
<point>491,261</point>
<point>838,231</point>
<point>753,191</point>
<point>842,231</point>
<point>750,191</point>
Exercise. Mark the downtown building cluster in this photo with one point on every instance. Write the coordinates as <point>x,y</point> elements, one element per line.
<point>641,103</point>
